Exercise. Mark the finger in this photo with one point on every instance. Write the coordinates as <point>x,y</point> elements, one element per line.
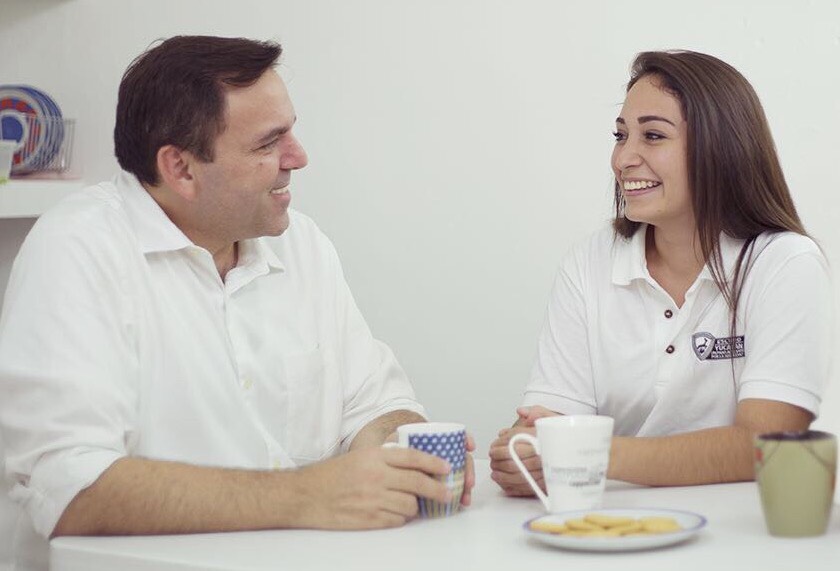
<point>532,464</point>
<point>400,503</point>
<point>523,450</point>
<point>386,519</point>
<point>418,484</point>
<point>518,488</point>
<point>508,479</point>
<point>469,482</point>
<point>519,491</point>
<point>470,443</point>
<point>503,466</point>
<point>410,459</point>
<point>508,433</point>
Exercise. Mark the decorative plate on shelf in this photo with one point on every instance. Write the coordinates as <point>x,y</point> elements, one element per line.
<point>33,119</point>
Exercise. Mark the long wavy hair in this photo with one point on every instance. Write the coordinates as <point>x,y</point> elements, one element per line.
<point>734,176</point>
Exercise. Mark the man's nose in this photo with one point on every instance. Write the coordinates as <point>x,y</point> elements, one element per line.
<point>294,156</point>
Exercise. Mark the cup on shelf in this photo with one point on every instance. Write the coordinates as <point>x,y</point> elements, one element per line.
<point>7,152</point>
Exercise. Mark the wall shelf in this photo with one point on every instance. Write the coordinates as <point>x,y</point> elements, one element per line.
<point>31,198</point>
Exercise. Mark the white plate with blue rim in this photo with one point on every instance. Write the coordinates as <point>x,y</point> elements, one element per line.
<point>689,524</point>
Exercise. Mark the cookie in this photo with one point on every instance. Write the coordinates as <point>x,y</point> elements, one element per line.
<point>608,521</point>
<point>548,527</point>
<point>659,524</point>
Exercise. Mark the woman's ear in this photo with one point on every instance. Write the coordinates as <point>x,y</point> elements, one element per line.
<point>174,167</point>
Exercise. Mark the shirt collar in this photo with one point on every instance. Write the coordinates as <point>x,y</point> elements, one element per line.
<point>630,263</point>
<point>155,231</point>
<point>629,260</point>
<point>730,248</point>
<point>256,253</point>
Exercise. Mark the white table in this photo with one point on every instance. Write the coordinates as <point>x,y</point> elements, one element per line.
<point>487,536</point>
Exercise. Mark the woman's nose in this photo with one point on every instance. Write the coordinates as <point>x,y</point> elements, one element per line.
<point>626,155</point>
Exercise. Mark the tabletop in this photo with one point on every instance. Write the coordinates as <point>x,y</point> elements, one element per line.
<point>487,535</point>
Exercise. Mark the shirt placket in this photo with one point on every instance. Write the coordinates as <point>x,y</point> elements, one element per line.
<point>277,457</point>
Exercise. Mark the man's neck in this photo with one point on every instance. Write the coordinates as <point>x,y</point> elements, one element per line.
<point>226,259</point>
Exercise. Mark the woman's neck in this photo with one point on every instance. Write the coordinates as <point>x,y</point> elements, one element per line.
<point>674,260</point>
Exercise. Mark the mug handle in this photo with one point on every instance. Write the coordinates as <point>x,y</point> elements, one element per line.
<point>511,449</point>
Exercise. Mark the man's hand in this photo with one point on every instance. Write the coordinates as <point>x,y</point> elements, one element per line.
<point>370,488</point>
<point>504,471</point>
<point>469,468</point>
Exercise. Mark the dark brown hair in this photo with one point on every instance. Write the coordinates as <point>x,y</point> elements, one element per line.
<point>174,94</point>
<point>734,176</point>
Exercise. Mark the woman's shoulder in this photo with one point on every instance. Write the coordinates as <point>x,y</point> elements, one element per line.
<point>777,247</point>
<point>785,258</point>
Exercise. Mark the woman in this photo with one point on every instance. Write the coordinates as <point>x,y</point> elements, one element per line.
<point>703,316</point>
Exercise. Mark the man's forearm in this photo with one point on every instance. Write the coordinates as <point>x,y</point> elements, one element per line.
<point>144,497</point>
<point>376,431</point>
<point>708,456</point>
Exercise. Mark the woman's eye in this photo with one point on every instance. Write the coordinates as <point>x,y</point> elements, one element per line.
<point>619,136</point>
<point>653,136</point>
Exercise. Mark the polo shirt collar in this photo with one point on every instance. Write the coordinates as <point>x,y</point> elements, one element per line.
<point>630,263</point>
<point>730,248</point>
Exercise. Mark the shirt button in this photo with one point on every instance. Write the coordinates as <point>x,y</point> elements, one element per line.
<point>277,464</point>
<point>669,349</point>
<point>668,314</point>
<point>247,384</point>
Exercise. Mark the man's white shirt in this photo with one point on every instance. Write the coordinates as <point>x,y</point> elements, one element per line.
<point>119,338</point>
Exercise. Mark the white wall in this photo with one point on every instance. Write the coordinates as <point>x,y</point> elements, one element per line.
<point>458,147</point>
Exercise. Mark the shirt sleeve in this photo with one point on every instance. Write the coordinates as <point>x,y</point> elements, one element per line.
<point>561,378</point>
<point>64,363</point>
<point>788,333</point>
<point>374,382</point>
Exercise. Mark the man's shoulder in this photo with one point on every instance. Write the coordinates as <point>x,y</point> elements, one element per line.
<point>91,218</point>
<point>85,208</point>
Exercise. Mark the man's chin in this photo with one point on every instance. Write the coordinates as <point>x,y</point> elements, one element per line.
<point>281,226</point>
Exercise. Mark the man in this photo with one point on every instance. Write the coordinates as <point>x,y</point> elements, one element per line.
<point>179,351</point>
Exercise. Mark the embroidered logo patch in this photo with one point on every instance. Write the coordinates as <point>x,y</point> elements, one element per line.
<point>707,346</point>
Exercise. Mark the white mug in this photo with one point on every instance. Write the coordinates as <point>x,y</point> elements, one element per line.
<point>575,453</point>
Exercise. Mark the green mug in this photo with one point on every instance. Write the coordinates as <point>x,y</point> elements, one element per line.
<point>795,472</point>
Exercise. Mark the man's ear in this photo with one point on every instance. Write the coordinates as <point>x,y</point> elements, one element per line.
<point>174,167</point>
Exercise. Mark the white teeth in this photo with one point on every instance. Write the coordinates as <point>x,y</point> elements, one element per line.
<point>639,184</point>
<point>283,190</point>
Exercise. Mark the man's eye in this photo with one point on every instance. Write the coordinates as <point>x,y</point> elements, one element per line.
<point>619,136</point>
<point>268,145</point>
